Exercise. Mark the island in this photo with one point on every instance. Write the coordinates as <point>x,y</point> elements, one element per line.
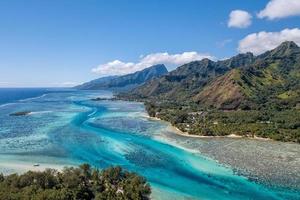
<point>21,113</point>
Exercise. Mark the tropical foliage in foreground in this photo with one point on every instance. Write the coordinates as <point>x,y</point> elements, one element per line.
<point>82,183</point>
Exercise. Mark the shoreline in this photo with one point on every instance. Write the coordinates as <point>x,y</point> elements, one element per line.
<point>177,131</point>
<point>10,164</point>
<point>265,161</point>
<point>210,148</point>
<point>22,167</point>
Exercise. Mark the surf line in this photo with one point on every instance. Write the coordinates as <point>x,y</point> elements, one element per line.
<point>91,114</point>
<point>32,98</point>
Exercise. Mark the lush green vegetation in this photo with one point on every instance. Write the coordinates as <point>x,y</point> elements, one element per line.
<point>281,125</point>
<point>245,95</point>
<point>82,183</point>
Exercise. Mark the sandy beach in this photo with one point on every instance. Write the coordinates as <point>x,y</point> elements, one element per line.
<point>175,130</point>
<point>21,167</point>
<point>21,164</point>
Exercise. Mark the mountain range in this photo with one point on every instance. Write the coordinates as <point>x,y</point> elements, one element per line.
<point>125,82</point>
<point>243,81</point>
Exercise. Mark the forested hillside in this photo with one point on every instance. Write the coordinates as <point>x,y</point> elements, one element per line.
<point>245,95</point>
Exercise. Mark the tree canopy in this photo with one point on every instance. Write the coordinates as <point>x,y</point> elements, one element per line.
<point>84,183</point>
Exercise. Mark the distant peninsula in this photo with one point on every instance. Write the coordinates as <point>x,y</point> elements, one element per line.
<point>125,82</point>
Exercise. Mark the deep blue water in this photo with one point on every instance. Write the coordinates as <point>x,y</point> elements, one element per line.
<point>9,95</point>
<point>68,128</point>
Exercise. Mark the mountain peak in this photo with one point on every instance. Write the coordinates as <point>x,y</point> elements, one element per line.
<point>206,61</point>
<point>285,49</point>
<point>157,65</point>
<point>288,45</point>
<point>161,67</point>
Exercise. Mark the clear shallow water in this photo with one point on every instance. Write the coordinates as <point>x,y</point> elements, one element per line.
<point>67,128</point>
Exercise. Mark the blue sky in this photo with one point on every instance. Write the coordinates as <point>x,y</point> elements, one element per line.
<point>59,43</point>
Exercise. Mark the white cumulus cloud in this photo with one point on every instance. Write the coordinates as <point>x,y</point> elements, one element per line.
<point>68,83</point>
<point>118,67</point>
<point>63,84</point>
<point>276,9</point>
<point>258,43</point>
<point>239,19</point>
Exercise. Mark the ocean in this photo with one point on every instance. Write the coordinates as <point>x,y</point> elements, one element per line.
<point>9,95</point>
<point>66,128</point>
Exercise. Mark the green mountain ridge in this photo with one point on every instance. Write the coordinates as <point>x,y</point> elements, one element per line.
<point>188,79</point>
<point>125,82</point>
<point>232,83</point>
<point>271,81</point>
<point>245,95</point>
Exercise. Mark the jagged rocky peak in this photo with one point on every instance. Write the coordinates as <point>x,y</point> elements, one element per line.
<point>284,49</point>
<point>191,78</point>
<point>161,68</point>
<point>288,45</point>
<point>206,60</point>
<point>238,60</point>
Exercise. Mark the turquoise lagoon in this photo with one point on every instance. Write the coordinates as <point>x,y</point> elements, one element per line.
<point>68,128</point>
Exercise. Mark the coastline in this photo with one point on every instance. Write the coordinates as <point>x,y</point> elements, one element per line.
<point>20,164</point>
<point>183,155</point>
<point>262,160</point>
<point>20,167</point>
<point>177,131</point>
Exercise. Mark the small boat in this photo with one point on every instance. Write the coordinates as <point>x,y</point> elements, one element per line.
<point>36,165</point>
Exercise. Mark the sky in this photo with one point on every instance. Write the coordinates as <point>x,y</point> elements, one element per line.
<point>60,43</point>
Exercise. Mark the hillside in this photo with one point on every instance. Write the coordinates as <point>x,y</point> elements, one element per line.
<point>273,80</point>
<point>224,92</point>
<point>125,82</point>
<point>245,95</point>
<point>187,80</point>
<point>272,77</point>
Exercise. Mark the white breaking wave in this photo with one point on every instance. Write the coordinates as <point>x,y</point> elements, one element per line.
<point>7,104</point>
<point>92,113</point>
<point>40,112</point>
<point>32,98</point>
